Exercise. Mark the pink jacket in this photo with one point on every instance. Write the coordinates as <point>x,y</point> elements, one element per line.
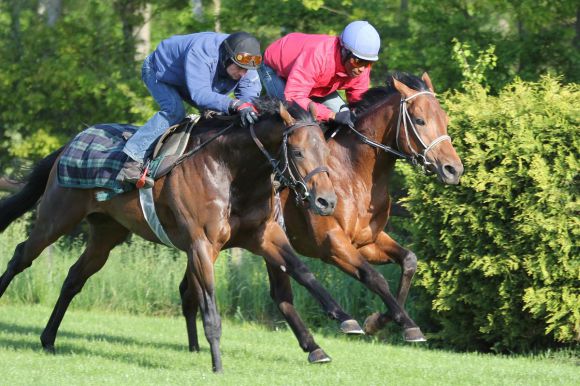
<point>311,66</point>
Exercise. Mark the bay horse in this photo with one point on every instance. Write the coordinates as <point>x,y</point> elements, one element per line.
<point>403,120</point>
<point>220,197</point>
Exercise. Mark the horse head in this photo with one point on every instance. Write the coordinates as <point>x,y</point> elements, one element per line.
<point>422,132</point>
<point>307,156</point>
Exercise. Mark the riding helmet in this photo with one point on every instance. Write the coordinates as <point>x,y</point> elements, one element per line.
<point>362,40</point>
<point>243,49</point>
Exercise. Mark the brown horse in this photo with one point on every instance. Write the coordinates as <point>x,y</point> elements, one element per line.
<point>403,120</point>
<point>218,198</point>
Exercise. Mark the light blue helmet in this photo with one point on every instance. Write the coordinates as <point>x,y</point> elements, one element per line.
<point>362,39</point>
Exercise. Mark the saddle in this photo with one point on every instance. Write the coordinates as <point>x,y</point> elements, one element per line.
<point>170,146</point>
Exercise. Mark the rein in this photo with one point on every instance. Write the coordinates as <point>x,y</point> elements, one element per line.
<point>404,117</point>
<point>203,144</point>
<point>297,184</point>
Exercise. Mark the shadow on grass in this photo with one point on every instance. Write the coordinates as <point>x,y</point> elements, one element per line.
<point>132,356</point>
<point>84,347</point>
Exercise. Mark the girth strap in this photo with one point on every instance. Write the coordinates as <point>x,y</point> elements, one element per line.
<point>148,208</point>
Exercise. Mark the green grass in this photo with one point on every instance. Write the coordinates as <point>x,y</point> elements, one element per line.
<point>98,347</point>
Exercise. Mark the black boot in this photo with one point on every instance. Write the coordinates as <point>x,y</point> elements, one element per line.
<point>134,173</point>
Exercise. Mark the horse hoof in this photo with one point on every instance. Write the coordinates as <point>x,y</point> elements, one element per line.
<point>49,349</point>
<point>318,356</point>
<point>351,327</point>
<point>414,334</point>
<point>372,324</point>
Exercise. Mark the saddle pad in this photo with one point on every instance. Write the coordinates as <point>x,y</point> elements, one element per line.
<point>94,158</point>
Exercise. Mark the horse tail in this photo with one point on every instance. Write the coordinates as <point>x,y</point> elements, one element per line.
<point>14,206</point>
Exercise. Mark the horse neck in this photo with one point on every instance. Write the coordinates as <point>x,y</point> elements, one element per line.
<point>247,165</point>
<point>379,125</point>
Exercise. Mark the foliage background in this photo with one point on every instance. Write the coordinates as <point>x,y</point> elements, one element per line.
<point>498,254</point>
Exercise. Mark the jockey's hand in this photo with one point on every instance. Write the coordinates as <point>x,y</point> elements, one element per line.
<point>345,117</point>
<point>247,111</point>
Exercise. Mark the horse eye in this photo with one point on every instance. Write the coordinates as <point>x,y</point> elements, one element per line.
<point>297,153</point>
<point>420,122</point>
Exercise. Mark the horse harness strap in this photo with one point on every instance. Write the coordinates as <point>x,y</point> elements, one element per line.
<point>298,185</point>
<point>404,116</point>
<point>203,144</point>
<point>148,208</point>
<point>378,145</point>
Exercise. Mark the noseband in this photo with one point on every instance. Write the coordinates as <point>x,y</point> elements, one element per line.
<point>282,167</point>
<point>404,116</point>
<point>414,158</point>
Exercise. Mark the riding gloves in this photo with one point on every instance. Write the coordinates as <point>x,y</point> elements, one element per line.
<point>345,117</point>
<point>247,111</point>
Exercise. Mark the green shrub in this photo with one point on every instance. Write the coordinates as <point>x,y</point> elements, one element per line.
<point>499,256</point>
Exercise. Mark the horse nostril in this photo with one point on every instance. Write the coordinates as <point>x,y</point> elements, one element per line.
<point>450,170</point>
<point>322,203</point>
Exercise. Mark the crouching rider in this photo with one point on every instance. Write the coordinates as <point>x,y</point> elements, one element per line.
<point>201,69</point>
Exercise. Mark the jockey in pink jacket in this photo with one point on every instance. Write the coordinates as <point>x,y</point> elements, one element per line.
<point>304,68</point>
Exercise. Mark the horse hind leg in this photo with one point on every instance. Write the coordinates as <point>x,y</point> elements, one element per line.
<point>104,235</point>
<point>54,219</point>
<point>189,306</point>
<point>386,250</point>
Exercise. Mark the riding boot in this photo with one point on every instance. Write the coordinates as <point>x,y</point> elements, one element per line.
<point>133,173</point>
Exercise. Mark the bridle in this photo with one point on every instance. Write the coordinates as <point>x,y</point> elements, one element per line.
<point>415,158</point>
<point>283,168</point>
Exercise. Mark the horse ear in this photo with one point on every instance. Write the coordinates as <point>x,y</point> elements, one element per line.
<point>405,91</point>
<point>286,117</point>
<point>312,109</point>
<point>427,81</point>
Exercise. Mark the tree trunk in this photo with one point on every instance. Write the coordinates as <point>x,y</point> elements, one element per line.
<point>51,10</point>
<point>143,35</point>
<point>129,12</point>
<point>217,5</point>
<point>197,10</point>
<point>576,41</point>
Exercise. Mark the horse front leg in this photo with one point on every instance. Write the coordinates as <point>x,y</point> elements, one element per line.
<point>276,249</point>
<point>200,279</point>
<point>345,256</point>
<point>281,293</point>
<point>189,305</point>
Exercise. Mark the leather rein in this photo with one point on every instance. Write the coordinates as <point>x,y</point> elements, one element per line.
<point>283,169</point>
<point>416,159</point>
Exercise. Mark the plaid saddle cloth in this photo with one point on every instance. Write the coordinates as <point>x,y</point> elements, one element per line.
<point>94,158</point>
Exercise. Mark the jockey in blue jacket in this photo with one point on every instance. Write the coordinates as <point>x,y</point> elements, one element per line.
<point>202,69</point>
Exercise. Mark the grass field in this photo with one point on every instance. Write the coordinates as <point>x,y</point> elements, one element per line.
<point>96,348</point>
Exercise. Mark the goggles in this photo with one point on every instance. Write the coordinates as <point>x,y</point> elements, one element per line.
<point>358,62</point>
<point>246,59</point>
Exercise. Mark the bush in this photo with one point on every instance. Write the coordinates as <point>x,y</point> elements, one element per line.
<point>499,254</point>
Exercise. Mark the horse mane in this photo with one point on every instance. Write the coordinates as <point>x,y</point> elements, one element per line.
<point>376,95</point>
<point>268,106</point>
